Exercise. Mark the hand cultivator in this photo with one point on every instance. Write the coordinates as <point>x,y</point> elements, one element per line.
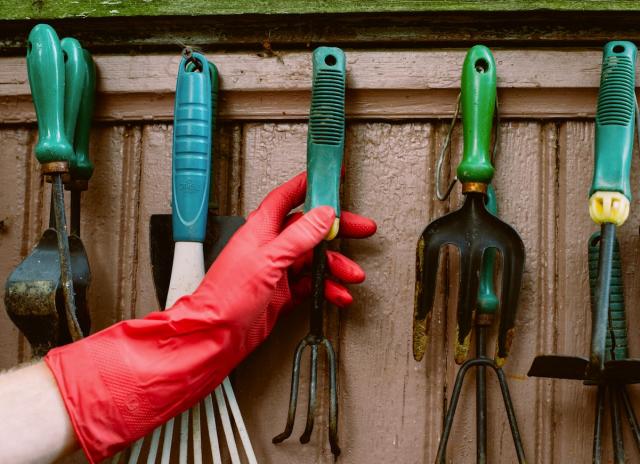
<point>46,294</point>
<point>478,234</point>
<point>325,148</point>
<point>608,366</point>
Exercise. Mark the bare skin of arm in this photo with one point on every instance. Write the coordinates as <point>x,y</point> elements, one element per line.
<point>34,424</point>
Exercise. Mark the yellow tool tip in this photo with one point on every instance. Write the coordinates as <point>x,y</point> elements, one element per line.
<point>333,232</point>
<point>462,349</point>
<point>610,207</point>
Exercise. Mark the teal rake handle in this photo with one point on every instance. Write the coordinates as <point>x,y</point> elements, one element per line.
<point>487,299</point>
<point>616,345</point>
<point>45,68</point>
<point>191,165</point>
<point>478,100</point>
<point>213,71</point>
<point>325,140</point>
<point>82,168</point>
<point>615,119</point>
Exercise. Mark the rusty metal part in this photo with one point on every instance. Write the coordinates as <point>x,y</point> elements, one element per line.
<point>479,187</point>
<point>55,167</point>
<point>313,340</point>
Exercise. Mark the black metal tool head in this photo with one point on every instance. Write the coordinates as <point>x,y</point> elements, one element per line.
<point>473,230</point>
<point>219,232</point>
<point>33,294</point>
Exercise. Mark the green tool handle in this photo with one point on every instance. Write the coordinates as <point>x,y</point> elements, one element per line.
<point>325,140</point>
<point>75,75</point>
<point>215,84</point>
<point>615,119</point>
<point>616,344</point>
<point>487,299</point>
<point>478,100</point>
<point>82,168</point>
<point>45,68</point>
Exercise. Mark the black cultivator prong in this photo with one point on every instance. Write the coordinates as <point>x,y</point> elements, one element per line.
<point>597,428</point>
<point>616,425</point>
<point>469,281</point>
<point>313,394</point>
<point>513,257</point>
<point>333,398</point>
<point>631,415</point>
<point>511,414</point>
<point>293,398</point>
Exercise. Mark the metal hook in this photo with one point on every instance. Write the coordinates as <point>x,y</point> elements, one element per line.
<point>447,141</point>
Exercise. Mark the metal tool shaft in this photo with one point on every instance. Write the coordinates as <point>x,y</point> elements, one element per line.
<point>481,398</point>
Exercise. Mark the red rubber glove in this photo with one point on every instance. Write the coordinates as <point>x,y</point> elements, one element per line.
<point>121,383</point>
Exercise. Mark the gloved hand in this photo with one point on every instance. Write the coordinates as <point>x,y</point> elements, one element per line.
<point>121,383</point>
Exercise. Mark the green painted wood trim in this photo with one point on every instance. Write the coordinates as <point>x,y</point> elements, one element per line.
<point>52,9</point>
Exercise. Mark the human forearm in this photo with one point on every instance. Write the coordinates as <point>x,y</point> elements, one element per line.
<point>35,426</point>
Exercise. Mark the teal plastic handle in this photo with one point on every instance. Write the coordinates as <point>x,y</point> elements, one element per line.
<point>478,90</point>
<point>487,299</point>
<point>325,139</point>
<point>82,168</point>
<point>191,150</point>
<point>45,68</point>
<point>75,75</point>
<point>615,120</point>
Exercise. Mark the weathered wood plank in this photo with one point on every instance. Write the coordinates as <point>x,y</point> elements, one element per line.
<point>392,85</point>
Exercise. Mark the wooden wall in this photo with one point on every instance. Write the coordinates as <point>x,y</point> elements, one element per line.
<point>391,407</point>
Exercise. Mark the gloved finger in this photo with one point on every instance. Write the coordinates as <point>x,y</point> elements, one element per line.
<point>355,226</point>
<point>281,200</point>
<point>334,292</point>
<point>339,266</point>
<point>300,237</point>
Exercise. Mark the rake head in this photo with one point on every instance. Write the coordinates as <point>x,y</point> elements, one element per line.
<point>473,230</point>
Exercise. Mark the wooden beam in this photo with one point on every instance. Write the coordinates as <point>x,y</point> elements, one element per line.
<point>381,85</point>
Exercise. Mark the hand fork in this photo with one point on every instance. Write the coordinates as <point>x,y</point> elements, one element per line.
<point>325,148</point>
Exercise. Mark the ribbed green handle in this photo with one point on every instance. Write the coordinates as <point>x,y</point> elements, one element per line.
<point>325,140</point>
<point>213,71</point>
<point>487,299</point>
<point>45,67</point>
<point>615,119</point>
<point>616,345</point>
<point>478,91</point>
<point>75,75</point>
<point>82,168</point>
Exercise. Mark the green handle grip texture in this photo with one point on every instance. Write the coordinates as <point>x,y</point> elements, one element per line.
<point>487,299</point>
<point>45,68</point>
<point>82,168</point>
<point>617,346</point>
<point>325,140</point>
<point>478,89</point>
<point>615,119</point>
<point>74,79</point>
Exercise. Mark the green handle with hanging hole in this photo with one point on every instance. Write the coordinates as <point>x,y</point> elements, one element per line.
<point>74,79</point>
<point>82,168</point>
<point>478,89</point>
<point>325,139</point>
<point>45,68</point>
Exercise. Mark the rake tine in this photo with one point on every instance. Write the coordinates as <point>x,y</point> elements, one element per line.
<point>226,425</point>
<point>153,447</point>
<point>469,281</point>
<point>597,429</point>
<point>313,394</point>
<point>211,427</point>
<point>184,437</point>
<point>293,398</point>
<point>135,451</point>
<point>333,400</point>
<point>168,438</point>
<point>237,416</point>
<point>511,414</point>
<point>116,458</point>
<point>196,434</point>
<point>616,426</point>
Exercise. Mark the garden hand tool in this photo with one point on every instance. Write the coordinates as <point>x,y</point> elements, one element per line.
<point>487,306</point>
<point>39,293</point>
<point>193,118</point>
<point>325,150</point>
<point>608,204</point>
<point>219,229</point>
<point>472,229</point>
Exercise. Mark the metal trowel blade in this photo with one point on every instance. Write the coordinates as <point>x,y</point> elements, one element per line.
<point>559,367</point>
